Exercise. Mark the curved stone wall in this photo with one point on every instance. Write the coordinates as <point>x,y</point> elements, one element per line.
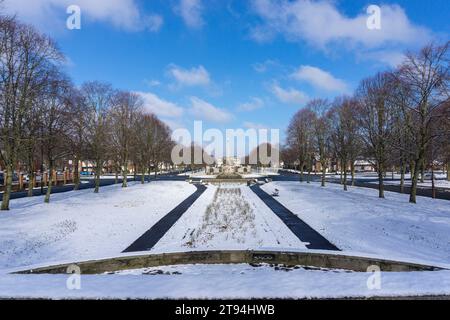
<point>311,259</point>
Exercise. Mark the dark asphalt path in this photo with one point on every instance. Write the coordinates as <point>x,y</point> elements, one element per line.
<point>152,236</point>
<point>300,228</point>
<point>441,193</point>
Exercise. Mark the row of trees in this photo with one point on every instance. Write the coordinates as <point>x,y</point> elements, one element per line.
<point>45,120</point>
<point>399,119</point>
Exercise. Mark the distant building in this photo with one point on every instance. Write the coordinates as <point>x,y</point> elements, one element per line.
<point>363,165</point>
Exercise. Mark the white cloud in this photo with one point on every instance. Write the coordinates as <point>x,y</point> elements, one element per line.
<point>173,124</point>
<point>160,107</point>
<point>262,67</point>
<point>124,14</point>
<point>290,95</point>
<point>197,76</point>
<point>152,83</point>
<point>320,79</point>
<point>253,125</point>
<point>191,12</point>
<point>254,104</point>
<point>206,111</point>
<point>153,22</point>
<point>321,24</point>
<point>387,57</point>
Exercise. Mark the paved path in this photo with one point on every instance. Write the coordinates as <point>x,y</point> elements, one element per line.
<point>152,236</point>
<point>301,229</point>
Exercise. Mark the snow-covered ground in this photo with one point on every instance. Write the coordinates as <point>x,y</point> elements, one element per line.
<point>359,221</point>
<point>228,217</point>
<point>261,174</point>
<point>81,225</point>
<point>226,282</point>
<point>441,183</point>
<point>440,178</point>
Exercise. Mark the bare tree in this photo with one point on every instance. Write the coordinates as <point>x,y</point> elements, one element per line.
<point>31,143</point>
<point>146,143</point>
<point>400,140</point>
<point>444,137</point>
<point>25,58</point>
<point>288,156</point>
<point>424,78</point>
<point>438,153</point>
<point>162,144</point>
<point>79,112</point>
<point>321,129</point>
<point>376,121</point>
<point>98,100</point>
<point>55,121</point>
<point>126,109</point>
<point>300,136</point>
<point>344,132</point>
<point>43,117</point>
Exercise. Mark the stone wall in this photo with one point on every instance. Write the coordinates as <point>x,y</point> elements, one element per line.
<point>311,259</point>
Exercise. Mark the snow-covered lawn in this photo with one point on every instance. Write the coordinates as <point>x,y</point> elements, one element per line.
<point>440,179</point>
<point>228,217</point>
<point>372,177</point>
<point>442,183</point>
<point>226,282</point>
<point>359,221</point>
<point>81,225</point>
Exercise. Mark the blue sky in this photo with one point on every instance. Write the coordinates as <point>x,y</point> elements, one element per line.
<point>234,63</point>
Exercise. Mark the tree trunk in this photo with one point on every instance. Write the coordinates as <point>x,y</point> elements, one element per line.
<point>345,175</point>
<point>97,178</point>
<point>76,175</point>
<point>433,186</point>
<point>31,175</point>
<point>50,183</point>
<point>352,165</point>
<point>402,177</point>
<point>31,182</point>
<point>324,172</point>
<point>8,188</point>
<point>124,176</point>
<point>45,179</point>
<point>412,169</point>
<point>300,171</point>
<point>448,171</point>
<point>308,179</point>
<point>414,180</point>
<point>143,175</point>
<point>422,171</point>
<point>380,181</point>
